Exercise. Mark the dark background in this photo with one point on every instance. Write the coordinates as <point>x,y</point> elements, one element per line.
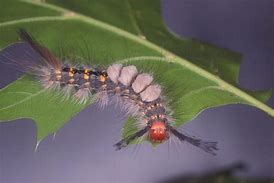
<point>82,151</point>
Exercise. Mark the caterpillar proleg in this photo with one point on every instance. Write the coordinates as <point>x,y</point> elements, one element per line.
<point>139,95</point>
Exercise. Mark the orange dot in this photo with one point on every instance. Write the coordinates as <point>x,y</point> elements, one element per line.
<point>86,71</point>
<point>102,78</point>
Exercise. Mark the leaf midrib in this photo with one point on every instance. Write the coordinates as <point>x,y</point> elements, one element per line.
<point>33,19</point>
<point>199,90</point>
<point>24,100</point>
<point>169,56</point>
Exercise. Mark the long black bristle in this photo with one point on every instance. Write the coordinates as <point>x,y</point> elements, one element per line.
<point>124,142</point>
<point>43,51</point>
<point>209,147</point>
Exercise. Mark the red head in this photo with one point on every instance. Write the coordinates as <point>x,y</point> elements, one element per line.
<point>158,132</point>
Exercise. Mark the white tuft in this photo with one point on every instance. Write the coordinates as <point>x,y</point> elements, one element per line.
<point>141,122</point>
<point>44,74</point>
<point>127,74</point>
<point>68,91</point>
<point>113,72</point>
<point>51,85</point>
<point>102,98</point>
<point>83,95</point>
<point>151,93</point>
<point>141,81</point>
<point>48,84</point>
<point>130,108</point>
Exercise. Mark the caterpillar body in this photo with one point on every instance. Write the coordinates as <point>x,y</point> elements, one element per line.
<point>138,94</point>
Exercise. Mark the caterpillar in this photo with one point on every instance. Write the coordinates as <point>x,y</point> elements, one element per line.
<point>136,92</point>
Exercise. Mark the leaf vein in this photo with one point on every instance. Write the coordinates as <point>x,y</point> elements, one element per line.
<point>33,19</point>
<point>200,90</point>
<point>24,93</point>
<point>22,101</point>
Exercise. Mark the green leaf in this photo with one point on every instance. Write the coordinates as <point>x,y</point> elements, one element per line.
<point>195,75</point>
<point>25,98</point>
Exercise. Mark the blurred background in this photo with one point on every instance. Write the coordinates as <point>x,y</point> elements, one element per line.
<point>82,151</point>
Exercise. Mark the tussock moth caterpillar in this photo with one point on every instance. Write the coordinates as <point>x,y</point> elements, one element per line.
<point>137,93</point>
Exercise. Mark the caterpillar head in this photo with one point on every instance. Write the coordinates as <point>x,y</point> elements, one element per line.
<point>158,132</point>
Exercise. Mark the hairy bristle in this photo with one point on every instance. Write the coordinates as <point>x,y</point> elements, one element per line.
<point>43,51</point>
<point>137,93</point>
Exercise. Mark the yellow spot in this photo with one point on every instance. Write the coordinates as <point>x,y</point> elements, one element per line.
<point>71,72</point>
<point>86,76</point>
<point>58,72</point>
<point>102,78</point>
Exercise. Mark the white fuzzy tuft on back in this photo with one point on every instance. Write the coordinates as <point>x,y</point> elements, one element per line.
<point>129,107</point>
<point>151,93</point>
<point>113,72</point>
<point>127,74</point>
<point>141,81</point>
<point>102,98</point>
<point>68,90</point>
<point>83,95</point>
